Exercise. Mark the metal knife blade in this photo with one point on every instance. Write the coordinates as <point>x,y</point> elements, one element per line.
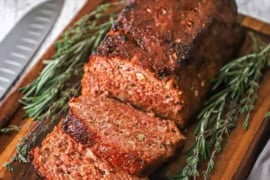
<point>19,46</point>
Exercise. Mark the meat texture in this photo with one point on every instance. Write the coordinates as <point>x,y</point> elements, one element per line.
<point>151,72</point>
<point>160,56</point>
<point>60,157</point>
<point>128,138</point>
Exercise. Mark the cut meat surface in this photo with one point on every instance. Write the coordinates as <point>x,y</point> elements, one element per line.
<point>128,138</point>
<point>160,56</point>
<point>150,73</point>
<point>60,158</point>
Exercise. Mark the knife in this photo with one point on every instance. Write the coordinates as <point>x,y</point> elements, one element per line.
<point>20,45</point>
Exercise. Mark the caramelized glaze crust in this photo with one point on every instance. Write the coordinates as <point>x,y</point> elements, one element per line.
<point>175,47</point>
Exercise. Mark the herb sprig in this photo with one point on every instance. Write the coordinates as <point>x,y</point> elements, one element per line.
<point>267,115</point>
<point>9,129</point>
<point>235,92</point>
<point>49,93</point>
<point>47,96</point>
<point>21,155</point>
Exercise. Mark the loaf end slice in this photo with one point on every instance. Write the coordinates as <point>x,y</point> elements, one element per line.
<point>61,157</point>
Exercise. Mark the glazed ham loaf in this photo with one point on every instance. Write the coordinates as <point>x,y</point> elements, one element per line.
<point>130,139</point>
<point>161,55</point>
<point>60,157</point>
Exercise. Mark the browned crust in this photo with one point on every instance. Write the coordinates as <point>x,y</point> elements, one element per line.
<point>110,172</point>
<point>128,161</point>
<point>142,23</point>
<point>77,129</point>
<point>187,46</point>
<point>97,129</point>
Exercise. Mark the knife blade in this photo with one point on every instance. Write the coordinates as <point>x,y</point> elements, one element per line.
<point>22,42</point>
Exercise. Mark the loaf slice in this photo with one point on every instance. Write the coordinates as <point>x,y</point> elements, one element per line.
<point>130,139</point>
<point>160,56</point>
<point>60,157</point>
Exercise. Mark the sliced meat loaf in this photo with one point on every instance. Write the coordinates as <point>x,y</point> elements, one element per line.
<point>60,157</point>
<point>161,55</point>
<point>130,139</point>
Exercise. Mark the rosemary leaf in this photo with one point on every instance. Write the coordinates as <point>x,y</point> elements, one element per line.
<point>234,93</point>
<point>267,115</point>
<point>9,129</point>
<point>9,166</point>
<point>49,93</point>
<point>21,155</point>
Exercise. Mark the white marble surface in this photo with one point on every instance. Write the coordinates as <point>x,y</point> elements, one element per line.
<point>12,10</point>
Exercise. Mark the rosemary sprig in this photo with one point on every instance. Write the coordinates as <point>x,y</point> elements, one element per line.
<point>235,92</point>
<point>20,156</point>
<point>267,115</point>
<point>49,93</point>
<point>47,96</point>
<point>9,129</point>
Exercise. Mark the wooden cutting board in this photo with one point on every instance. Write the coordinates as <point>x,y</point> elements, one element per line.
<point>240,149</point>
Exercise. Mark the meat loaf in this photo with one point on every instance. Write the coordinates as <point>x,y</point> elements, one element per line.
<point>161,55</point>
<point>128,138</point>
<point>61,157</point>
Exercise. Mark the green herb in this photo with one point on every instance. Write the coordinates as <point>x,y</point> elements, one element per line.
<point>49,93</point>
<point>267,115</point>
<point>235,92</point>
<point>9,129</point>
<point>22,150</point>
<point>21,155</point>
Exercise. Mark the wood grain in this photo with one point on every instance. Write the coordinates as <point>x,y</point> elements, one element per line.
<point>240,149</point>
<point>255,24</point>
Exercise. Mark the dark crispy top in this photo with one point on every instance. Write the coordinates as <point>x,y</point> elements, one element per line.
<point>159,34</point>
